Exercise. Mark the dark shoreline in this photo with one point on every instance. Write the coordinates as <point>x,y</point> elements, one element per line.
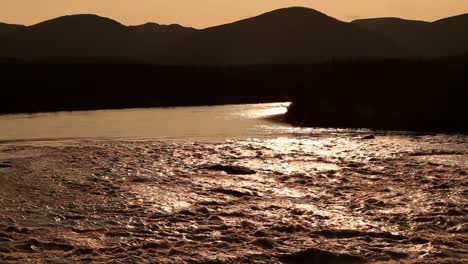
<point>33,87</point>
<point>393,95</point>
<point>416,95</point>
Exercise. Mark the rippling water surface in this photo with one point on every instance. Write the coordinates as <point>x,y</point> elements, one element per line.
<point>141,188</point>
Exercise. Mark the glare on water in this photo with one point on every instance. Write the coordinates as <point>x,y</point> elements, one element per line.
<point>227,121</point>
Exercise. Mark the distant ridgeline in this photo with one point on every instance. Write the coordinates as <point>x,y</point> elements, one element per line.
<point>284,36</point>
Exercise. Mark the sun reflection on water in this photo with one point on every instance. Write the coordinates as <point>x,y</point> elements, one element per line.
<point>264,110</point>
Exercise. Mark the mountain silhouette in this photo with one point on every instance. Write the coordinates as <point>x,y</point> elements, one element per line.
<point>8,28</point>
<point>72,36</point>
<point>161,35</point>
<point>405,33</point>
<point>290,35</point>
<point>445,37</point>
<point>449,36</point>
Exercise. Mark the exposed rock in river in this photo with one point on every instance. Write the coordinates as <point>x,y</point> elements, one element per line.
<point>230,169</point>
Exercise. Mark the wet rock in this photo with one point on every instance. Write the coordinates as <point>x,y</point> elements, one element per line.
<point>118,234</point>
<point>4,235</point>
<point>339,234</point>
<point>5,239</point>
<point>418,240</point>
<point>58,246</point>
<point>111,250</point>
<point>229,169</point>
<point>441,186</point>
<point>214,218</point>
<point>288,228</point>
<point>297,211</point>
<point>212,203</point>
<point>317,256</point>
<point>6,249</point>
<point>34,244</point>
<point>83,251</point>
<point>16,229</point>
<point>223,227</point>
<point>368,137</point>
<point>247,224</point>
<point>374,203</point>
<point>202,210</point>
<point>140,179</point>
<point>155,245</point>
<point>174,252</point>
<point>454,212</point>
<point>75,217</point>
<point>233,238</point>
<point>87,260</point>
<point>355,165</point>
<point>396,254</point>
<point>82,231</point>
<point>29,245</point>
<point>424,219</point>
<point>6,164</point>
<point>235,193</point>
<point>187,212</point>
<point>264,243</point>
<point>260,233</point>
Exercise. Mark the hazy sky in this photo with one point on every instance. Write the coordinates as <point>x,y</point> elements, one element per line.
<point>204,13</point>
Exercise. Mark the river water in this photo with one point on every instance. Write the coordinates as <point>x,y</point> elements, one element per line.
<point>151,186</point>
<point>205,122</point>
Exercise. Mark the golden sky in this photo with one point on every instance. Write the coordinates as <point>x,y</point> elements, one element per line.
<point>205,13</point>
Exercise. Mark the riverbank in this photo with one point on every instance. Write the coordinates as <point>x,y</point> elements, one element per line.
<point>423,96</point>
<point>326,199</point>
<point>32,87</point>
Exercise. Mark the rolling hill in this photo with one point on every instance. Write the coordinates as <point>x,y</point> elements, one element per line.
<point>449,36</point>
<point>290,35</point>
<point>72,36</point>
<point>445,37</point>
<point>405,33</point>
<point>161,35</point>
<point>9,28</point>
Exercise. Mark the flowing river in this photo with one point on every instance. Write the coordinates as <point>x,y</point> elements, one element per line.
<point>187,123</point>
<point>226,184</point>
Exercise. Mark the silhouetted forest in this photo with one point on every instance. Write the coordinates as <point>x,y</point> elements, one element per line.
<point>83,84</point>
<point>409,95</point>
<point>394,94</point>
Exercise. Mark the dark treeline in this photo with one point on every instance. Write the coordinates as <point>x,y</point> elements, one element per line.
<point>54,86</point>
<point>407,95</point>
<point>393,94</point>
